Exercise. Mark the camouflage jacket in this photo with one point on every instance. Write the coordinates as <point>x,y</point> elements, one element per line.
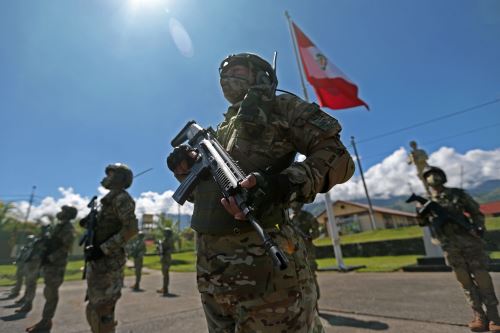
<point>59,243</point>
<point>116,222</point>
<point>457,202</point>
<point>287,126</point>
<point>136,248</point>
<point>307,224</point>
<point>166,248</point>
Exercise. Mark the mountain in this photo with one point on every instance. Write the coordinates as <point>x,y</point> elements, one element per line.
<point>485,192</point>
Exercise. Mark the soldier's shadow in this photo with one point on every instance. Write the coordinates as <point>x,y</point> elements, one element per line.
<point>336,320</point>
<point>15,316</point>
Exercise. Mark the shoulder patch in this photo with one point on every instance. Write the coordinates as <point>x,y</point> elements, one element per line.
<point>322,120</point>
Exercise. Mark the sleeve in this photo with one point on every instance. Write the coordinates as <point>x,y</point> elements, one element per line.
<point>316,135</point>
<point>124,207</point>
<point>472,207</point>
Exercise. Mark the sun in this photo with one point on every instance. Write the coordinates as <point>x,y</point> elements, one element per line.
<point>142,4</point>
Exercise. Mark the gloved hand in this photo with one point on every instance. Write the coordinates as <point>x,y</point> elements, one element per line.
<point>93,253</point>
<point>263,192</point>
<point>181,159</point>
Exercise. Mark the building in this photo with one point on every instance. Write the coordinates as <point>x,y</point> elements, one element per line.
<point>491,209</point>
<point>353,217</point>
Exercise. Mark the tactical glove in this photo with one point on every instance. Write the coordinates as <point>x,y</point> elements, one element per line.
<point>180,153</point>
<point>93,253</point>
<point>270,189</point>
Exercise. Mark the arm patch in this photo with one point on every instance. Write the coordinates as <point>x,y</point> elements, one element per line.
<point>323,121</point>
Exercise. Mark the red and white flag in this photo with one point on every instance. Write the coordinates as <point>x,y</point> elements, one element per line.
<point>333,88</point>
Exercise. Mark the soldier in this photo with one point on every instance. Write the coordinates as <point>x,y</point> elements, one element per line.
<point>464,250</point>
<point>20,262</point>
<point>240,288</point>
<point>54,264</point>
<point>137,251</point>
<point>308,228</point>
<point>32,268</point>
<point>116,224</point>
<point>418,157</point>
<point>165,249</point>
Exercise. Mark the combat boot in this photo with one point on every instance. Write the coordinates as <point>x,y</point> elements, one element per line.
<point>12,295</point>
<point>136,287</point>
<point>25,308</point>
<point>492,315</point>
<point>43,325</point>
<point>160,291</point>
<point>20,301</point>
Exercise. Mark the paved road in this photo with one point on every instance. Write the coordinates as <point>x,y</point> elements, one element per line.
<point>350,302</point>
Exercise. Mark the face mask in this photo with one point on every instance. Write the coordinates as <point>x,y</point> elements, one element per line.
<point>106,182</point>
<point>434,180</point>
<point>234,88</point>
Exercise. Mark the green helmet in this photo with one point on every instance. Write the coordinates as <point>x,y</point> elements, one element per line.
<point>432,169</point>
<point>141,234</point>
<point>67,212</point>
<point>121,178</point>
<point>413,143</point>
<point>265,74</point>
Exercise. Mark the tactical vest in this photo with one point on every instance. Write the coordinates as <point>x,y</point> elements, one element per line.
<point>247,147</point>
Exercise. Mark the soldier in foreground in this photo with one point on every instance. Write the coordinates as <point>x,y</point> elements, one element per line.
<point>418,157</point>
<point>116,224</point>
<point>165,249</point>
<point>20,263</point>
<point>308,228</point>
<point>54,264</point>
<point>464,249</point>
<point>137,251</point>
<point>241,290</point>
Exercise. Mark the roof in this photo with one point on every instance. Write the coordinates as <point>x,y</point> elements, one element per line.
<point>490,208</point>
<point>382,210</point>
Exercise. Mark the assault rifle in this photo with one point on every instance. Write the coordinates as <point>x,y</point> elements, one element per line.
<point>442,216</point>
<point>213,159</point>
<point>89,222</point>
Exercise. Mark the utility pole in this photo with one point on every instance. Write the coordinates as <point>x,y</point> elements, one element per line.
<point>30,203</point>
<point>461,176</point>
<point>370,208</point>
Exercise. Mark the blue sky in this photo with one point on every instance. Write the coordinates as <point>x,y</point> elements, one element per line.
<point>87,83</point>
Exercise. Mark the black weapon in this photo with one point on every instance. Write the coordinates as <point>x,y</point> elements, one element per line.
<point>441,215</point>
<point>89,222</point>
<point>213,159</point>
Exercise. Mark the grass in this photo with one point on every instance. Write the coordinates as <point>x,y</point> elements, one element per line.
<point>73,273</point>
<point>181,262</point>
<point>391,234</point>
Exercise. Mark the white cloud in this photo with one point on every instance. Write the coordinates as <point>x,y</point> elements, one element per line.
<point>392,176</point>
<point>148,202</point>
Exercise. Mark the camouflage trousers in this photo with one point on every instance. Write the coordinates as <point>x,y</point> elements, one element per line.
<point>166,261</point>
<point>53,277</point>
<point>241,291</point>
<point>32,273</point>
<point>469,262</point>
<point>138,261</point>
<point>104,283</point>
<point>311,259</point>
<point>19,279</point>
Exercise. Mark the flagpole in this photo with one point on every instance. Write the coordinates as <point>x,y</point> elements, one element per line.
<point>297,58</point>
<point>334,230</point>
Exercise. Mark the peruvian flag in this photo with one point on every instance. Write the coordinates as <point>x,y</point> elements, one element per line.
<point>333,88</point>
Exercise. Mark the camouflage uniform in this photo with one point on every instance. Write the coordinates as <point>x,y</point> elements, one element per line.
<point>419,158</point>
<point>166,249</point>
<point>137,251</point>
<point>54,264</point>
<point>308,228</point>
<point>241,290</point>
<point>464,252</point>
<point>32,273</point>
<point>21,259</point>
<point>116,224</point>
